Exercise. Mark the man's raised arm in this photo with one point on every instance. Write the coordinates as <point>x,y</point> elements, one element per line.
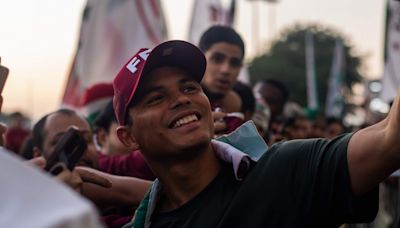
<point>374,152</point>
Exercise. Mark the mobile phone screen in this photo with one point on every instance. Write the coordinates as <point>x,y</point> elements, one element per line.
<point>3,77</point>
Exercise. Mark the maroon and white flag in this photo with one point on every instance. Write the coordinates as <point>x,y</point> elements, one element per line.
<point>207,13</point>
<point>111,31</point>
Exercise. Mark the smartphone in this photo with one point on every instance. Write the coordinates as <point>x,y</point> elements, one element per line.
<point>3,77</point>
<point>68,151</point>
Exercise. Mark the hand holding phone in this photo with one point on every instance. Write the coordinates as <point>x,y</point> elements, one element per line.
<point>67,152</point>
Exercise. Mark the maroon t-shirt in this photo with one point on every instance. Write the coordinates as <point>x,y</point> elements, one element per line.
<point>131,164</point>
<point>232,121</point>
<point>15,138</point>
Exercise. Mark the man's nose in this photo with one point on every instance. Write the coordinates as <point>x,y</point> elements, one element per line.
<point>225,67</point>
<point>180,99</point>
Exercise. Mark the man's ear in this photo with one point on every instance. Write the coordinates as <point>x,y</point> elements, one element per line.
<point>101,137</point>
<point>36,152</point>
<point>124,135</point>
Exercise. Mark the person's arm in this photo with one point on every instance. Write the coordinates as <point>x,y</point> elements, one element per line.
<point>374,152</point>
<point>127,191</point>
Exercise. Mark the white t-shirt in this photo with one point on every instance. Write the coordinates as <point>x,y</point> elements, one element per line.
<point>31,198</point>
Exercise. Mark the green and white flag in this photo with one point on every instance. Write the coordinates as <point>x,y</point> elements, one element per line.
<point>391,76</point>
<point>334,98</point>
<point>312,95</point>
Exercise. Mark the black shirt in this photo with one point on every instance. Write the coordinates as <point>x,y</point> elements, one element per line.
<point>295,184</point>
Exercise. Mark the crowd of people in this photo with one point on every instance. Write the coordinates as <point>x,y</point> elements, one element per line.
<point>183,143</point>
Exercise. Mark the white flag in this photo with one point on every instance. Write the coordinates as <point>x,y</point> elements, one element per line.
<point>207,13</point>
<point>111,32</point>
<point>312,98</point>
<point>391,77</point>
<point>334,98</point>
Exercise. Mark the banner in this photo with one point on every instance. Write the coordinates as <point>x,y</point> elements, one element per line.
<point>334,99</point>
<point>111,31</point>
<point>391,76</point>
<point>312,95</point>
<point>207,13</point>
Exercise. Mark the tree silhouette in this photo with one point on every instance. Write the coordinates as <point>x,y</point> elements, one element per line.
<point>285,61</point>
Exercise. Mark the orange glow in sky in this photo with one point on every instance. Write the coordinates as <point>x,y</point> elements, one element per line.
<point>38,39</point>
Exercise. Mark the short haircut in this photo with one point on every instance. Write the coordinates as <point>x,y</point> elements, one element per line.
<point>280,86</point>
<point>38,133</point>
<point>331,120</point>
<point>246,95</point>
<point>105,118</point>
<point>220,34</point>
<point>16,114</point>
<point>26,150</point>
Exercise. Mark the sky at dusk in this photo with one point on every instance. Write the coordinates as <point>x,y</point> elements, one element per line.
<point>38,39</point>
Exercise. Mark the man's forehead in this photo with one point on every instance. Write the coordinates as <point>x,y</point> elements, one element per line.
<point>58,122</point>
<point>165,76</point>
<point>225,49</point>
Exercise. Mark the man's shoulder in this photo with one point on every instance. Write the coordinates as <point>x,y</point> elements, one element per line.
<point>305,149</point>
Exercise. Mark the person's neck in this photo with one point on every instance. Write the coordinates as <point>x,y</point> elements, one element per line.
<point>213,97</point>
<point>181,181</point>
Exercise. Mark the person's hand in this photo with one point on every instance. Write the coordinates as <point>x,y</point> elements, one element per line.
<point>72,179</point>
<point>219,122</point>
<point>40,162</point>
<point>80,176</point>
<point>89,175</point>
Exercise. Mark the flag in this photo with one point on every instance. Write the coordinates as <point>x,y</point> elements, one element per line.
<point>334,98</point>
<point>312,96</point>
<point>111,31</point>
<point>391,75</point>
<point>207,13</point>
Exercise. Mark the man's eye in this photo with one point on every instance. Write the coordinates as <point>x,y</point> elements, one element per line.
<point>154,99</point>
<point>218,58</point>
<point>190,89</point>
<point>235,62</point>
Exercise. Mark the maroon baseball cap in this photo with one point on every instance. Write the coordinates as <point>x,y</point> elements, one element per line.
<point>174,53</point>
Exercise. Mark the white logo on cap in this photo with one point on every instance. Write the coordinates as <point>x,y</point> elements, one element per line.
<point>131,66</point>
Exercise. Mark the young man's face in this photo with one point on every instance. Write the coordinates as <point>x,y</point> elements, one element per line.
<point>57,125</point>
<point>172,115</point>
<point>224,62</point>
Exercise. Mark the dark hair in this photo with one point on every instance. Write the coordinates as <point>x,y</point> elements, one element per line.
<point>246,95</point>
<point>280,86</point>
<point>105,118</point>
<point>38,133</point>
<point>331,120</point>
<point>219,34</point>
<point>26,150</point>
<point>16,115</point>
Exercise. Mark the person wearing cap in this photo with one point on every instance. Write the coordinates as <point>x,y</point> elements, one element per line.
<point>206,182</point>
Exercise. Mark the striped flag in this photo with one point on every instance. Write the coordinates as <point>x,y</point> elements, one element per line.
<point>391,76</point>
<point>334,98</point>
<point>207,13</point>
<point>312,96</point>
<point>111,31</point>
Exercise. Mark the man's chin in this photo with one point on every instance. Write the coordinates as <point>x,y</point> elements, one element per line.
<point>184,153</point>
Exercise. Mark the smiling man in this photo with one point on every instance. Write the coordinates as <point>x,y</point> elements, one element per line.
<point>162,109</point>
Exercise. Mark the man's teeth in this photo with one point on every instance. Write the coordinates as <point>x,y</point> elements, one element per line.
<point>185,120</point>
